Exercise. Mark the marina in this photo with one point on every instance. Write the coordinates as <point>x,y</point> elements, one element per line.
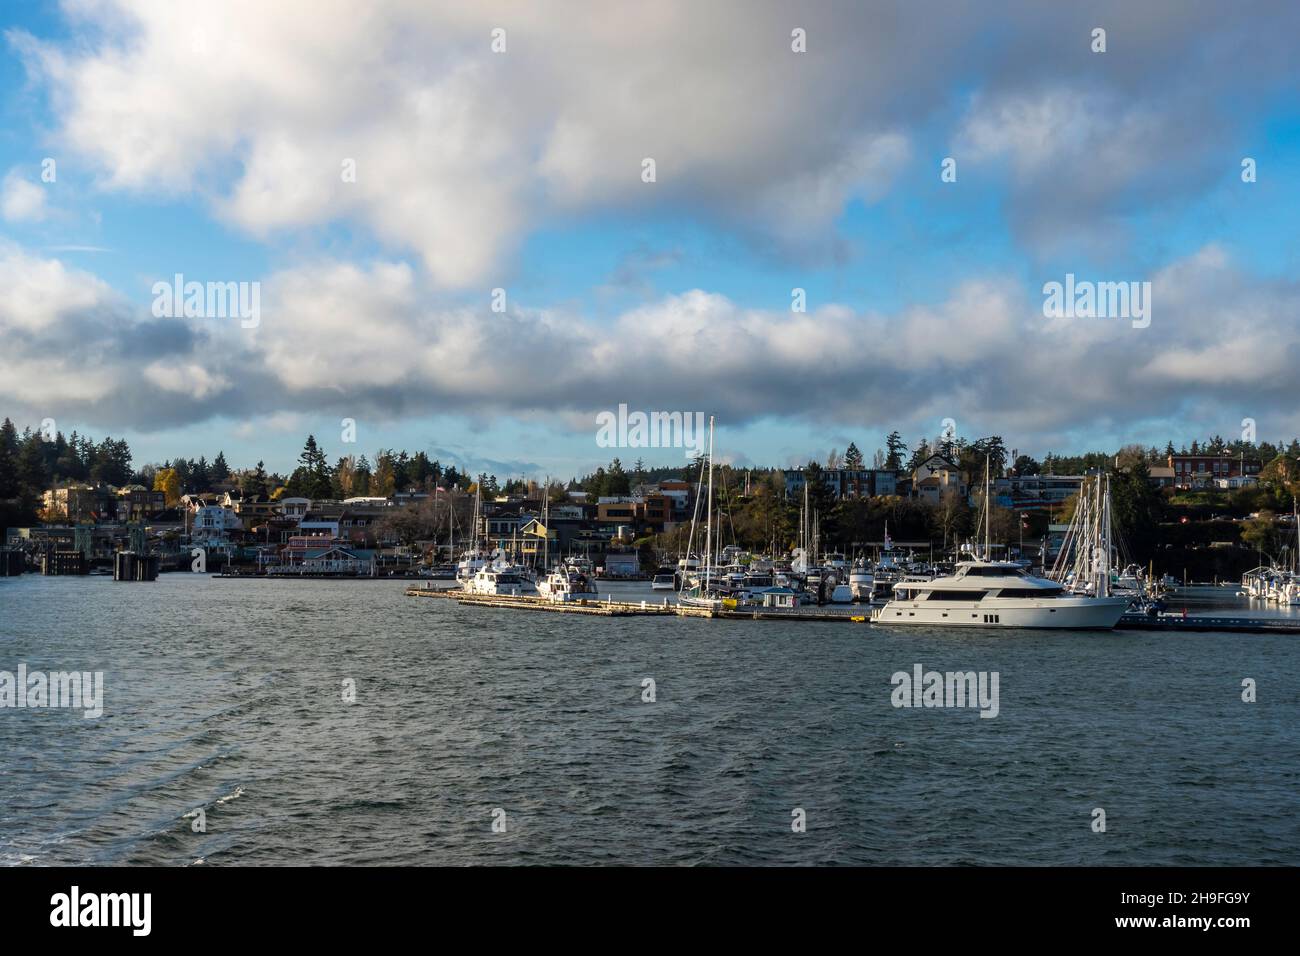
<point>663,607</point>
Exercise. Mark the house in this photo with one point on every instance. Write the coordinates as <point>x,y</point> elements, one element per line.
<point>1204,471</point>
<point>1161,476</point>
<point>213,524</point>
<point>79,503</point>
<point>846,482</point>
<point>622,564</point>
<point>1036,492</point>
<point>294,507</point>
<point>138,503</point>
<point>253,510</point>
<point>302,558</point>
<point>936,477</point>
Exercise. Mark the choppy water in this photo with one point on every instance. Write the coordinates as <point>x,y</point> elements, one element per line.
<point>226,696</point>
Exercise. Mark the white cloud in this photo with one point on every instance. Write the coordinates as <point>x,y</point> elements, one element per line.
<point>21,200</point>
<point>375,342</point>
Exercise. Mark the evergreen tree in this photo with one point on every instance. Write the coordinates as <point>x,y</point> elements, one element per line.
<point>897,449</point>
<point>220,470</point>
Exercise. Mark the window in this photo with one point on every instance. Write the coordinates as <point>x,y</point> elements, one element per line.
<point>956,595</point>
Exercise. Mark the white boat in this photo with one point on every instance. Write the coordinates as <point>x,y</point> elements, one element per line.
<point>566,584</point>
<point>861,580</point>
<point>841,594</point>
<point>984,593</point>
<point>489,580</point>
<point>471,562</point>
<point>664,580</point>
<point>997,594</point>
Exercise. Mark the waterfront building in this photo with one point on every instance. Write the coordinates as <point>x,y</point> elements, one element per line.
<point>1203,471</point>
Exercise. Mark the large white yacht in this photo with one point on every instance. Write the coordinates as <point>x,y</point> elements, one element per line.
<point>985,593</point>
<point>997,594</point>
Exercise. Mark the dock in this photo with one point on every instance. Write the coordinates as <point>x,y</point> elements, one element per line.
<point>611,608</point>
<point>607,607</point>
<point>1201,623</point>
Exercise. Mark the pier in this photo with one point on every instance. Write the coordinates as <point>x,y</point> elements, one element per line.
<point>611,608</point>
<point>1202,623</point>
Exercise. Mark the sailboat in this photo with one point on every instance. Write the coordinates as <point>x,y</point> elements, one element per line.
<point>703,593</point>
<point>987,593</point>
<point>473,560</point>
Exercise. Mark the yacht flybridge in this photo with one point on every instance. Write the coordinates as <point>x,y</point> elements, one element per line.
<point>984,593</point>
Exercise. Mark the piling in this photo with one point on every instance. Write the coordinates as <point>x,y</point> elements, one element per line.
<point>131,566</point>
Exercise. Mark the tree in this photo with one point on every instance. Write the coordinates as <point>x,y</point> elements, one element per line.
<point>220,470</point>
<point>8,460</point>
<point>1261,533</point>
<point>952,515</point>
<point>1026,466</point>
<point>169,483</point>
<point>852,457</point>
<point>1136,509</point>
<point>254,482</point>
<point>897,449</point>
<point>312,478</point>
<point>919,455</point>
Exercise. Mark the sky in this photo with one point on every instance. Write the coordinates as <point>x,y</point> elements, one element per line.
<point>377,172</point>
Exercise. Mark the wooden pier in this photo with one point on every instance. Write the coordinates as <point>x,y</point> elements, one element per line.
<point>611,608</point>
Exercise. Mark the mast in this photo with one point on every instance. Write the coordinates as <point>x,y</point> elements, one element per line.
<point>988,514</point>
<point>708,514</point>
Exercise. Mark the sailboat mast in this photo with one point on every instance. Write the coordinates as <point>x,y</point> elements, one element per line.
<point>708,514</point>
<point>988,514</point>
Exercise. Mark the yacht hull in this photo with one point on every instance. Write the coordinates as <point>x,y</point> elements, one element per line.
<point>1062,613</point>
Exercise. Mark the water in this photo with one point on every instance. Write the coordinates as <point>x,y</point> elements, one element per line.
<point>226,696</point>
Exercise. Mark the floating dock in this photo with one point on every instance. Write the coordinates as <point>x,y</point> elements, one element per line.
<point>1198,623</point>
<point>611,608</point>
<point>608,607</point>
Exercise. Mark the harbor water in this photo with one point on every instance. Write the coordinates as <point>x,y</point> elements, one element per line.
<point>481,735</point>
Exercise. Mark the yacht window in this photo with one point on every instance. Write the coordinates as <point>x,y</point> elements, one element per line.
<point>1030,592</point>
<point>956,595</point>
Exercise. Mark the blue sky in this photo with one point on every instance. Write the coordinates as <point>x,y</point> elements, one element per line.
<point>209,146</point>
